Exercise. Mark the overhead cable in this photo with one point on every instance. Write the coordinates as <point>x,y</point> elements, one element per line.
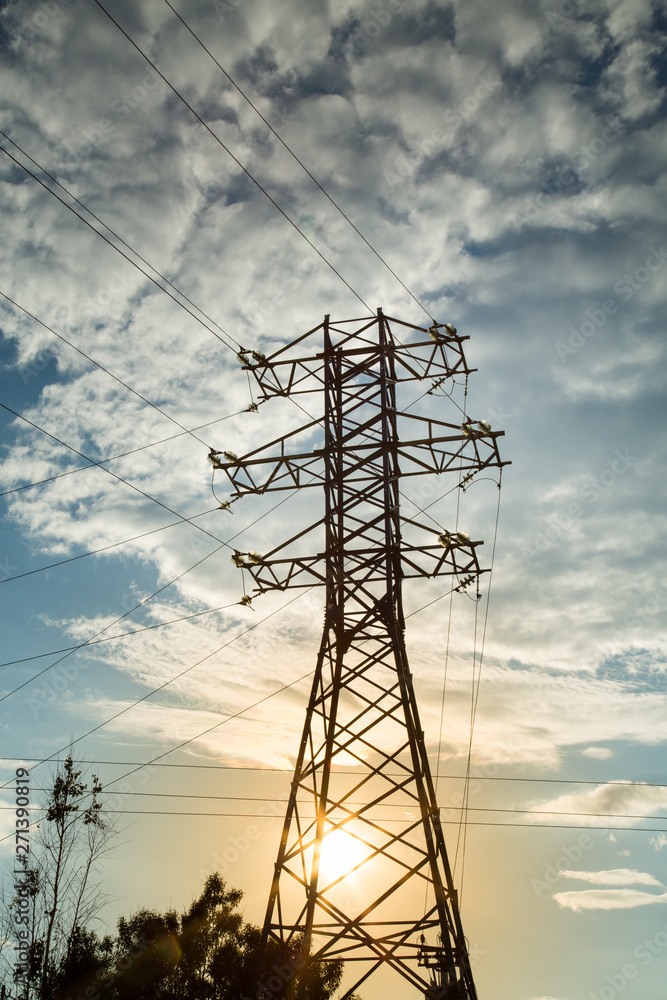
<point>116,236</point>
<point>115,458</point>
<point>396,774</point>
<point>234,158</point>
<point>299,161</point>
<point>205,732</point>
<point>123,254</point>
<point>103,368</point>
<point>122,635</point>
<point>94,552</point>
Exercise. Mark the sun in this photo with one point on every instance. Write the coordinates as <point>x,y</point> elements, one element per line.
<point>340,854</point>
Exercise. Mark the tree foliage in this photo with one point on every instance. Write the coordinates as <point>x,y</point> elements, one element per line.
<point>205,953</point>
<point>63,880</point>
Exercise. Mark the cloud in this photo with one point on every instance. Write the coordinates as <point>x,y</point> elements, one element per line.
<point>620,803</point>
<point>607,899</point>
<point>478,113</point>
<point>614,877</point>
<point>598,753</point>
<point>657,843</point>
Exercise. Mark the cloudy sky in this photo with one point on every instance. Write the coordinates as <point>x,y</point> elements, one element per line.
<point>506,161</point>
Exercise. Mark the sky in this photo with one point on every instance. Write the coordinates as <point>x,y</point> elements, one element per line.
<point>506,161</point>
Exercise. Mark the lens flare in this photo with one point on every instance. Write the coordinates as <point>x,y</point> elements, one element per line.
<point>340,854</point>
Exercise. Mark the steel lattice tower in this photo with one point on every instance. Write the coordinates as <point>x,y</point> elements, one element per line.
<point>362,751</point>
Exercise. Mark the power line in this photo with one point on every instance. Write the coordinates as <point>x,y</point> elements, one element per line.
<point>223,543</point>
<point>184,743</point>
<point>236,160</point>
<point>146,600</point>
<point>290,770</point>
<point>118,250</point>
<point>102,368</point>
<point>379,819</point>
<point>177,677</point>
<point>388,805</point>
<point>123,635</point>
<point>114,475</point>
<point>296,158</point>
<point>125,454</point>
<point>94,552</point>
<point>115,234</point>
<point>476,686</point>
<point>83,644</point>
<point>197,614</point>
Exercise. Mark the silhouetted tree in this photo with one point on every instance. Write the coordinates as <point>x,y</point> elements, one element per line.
<point>206,953</point>
<point>62,884</point>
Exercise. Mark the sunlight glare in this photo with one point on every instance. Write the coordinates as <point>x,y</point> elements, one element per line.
<point>340,854</point>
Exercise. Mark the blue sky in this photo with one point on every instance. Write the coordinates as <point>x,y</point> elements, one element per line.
<point>507,160</point>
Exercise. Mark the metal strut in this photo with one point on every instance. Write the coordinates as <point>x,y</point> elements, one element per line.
<point>349,880</point>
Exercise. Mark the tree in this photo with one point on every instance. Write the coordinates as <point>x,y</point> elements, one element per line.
<point>205,953</point>
<point>61,874</point>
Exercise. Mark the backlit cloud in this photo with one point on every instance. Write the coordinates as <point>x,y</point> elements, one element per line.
<point>621,803</point>
<point>615,877</point>
<point>607,899</point>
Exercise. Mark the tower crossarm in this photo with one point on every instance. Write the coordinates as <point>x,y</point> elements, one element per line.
<point>456,451</point>
<point>437,356</point>
<point>450,557</point>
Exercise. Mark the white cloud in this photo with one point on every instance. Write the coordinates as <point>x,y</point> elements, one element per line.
<point>614,877</point>
<point>576,639</point>
<point>620,803</point>
<point>607,899</point>
<point>657,843</point>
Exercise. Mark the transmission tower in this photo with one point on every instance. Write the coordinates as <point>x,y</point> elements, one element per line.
<point>362,872</point>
